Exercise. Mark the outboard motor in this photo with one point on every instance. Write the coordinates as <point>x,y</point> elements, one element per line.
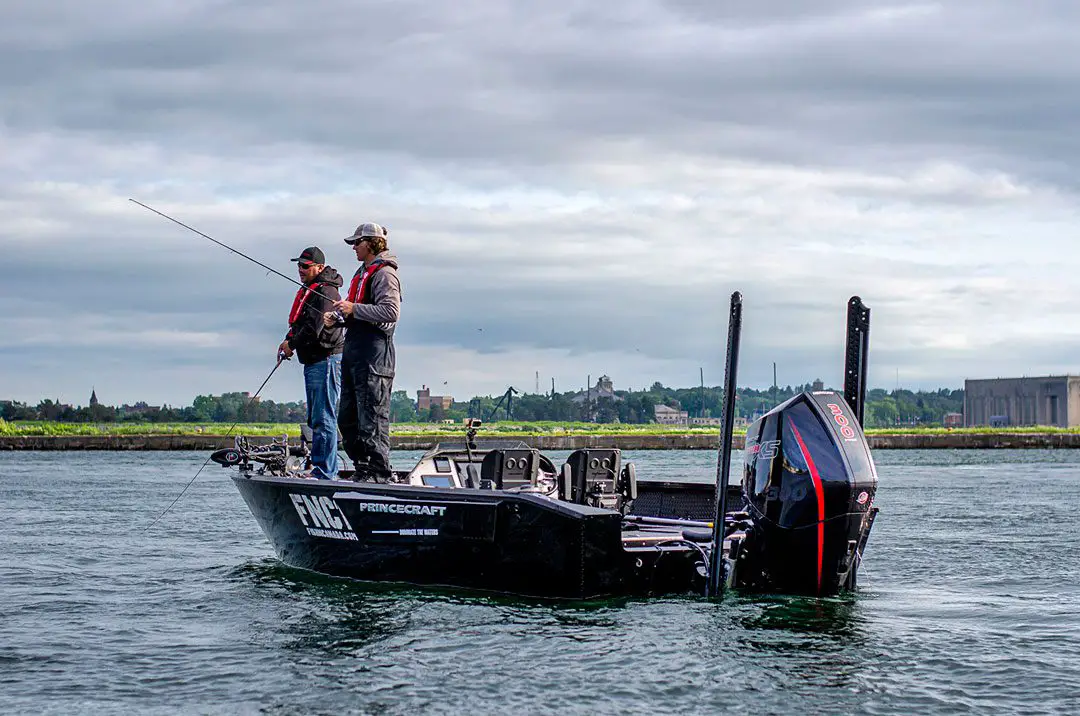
<point>809,483</point>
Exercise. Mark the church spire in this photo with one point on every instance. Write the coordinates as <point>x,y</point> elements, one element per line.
<point>93,398</point>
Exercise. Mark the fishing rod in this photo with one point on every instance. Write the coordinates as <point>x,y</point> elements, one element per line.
<point>281,358</point>
<point>222,244</point>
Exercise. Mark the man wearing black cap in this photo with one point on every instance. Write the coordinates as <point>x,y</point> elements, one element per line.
<point>319,349</point>
<point>370,313</point>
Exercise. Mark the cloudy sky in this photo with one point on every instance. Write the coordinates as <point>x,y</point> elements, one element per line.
<point>572,188</point>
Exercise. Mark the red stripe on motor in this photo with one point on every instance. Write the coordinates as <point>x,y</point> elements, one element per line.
<point>820,492</point>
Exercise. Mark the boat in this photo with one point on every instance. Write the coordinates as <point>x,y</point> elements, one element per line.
<point>500,516</point>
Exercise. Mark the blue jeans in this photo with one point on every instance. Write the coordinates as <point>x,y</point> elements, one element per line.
<point>322,384</point>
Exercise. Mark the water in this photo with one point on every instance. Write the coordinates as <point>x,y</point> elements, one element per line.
<point>970,603</point>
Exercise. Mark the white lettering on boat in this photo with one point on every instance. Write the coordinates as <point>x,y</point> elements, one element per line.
<point>418,532</point>
<point>322,517</point>
<point>399,508</point>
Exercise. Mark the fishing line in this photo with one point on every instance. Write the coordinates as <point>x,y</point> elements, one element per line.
<point>238,253</point>
<point>251,400</point>
<point>281,356</point>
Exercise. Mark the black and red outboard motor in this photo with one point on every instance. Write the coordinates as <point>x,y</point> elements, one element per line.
<point>809,483</point>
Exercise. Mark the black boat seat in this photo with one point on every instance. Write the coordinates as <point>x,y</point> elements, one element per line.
<point>472,474</point>
<point>590,471</point>
<point>504,469</point>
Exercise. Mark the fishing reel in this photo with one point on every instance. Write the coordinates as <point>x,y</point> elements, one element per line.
<point>276,457</point>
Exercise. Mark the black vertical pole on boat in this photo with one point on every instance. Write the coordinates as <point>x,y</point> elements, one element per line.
<point>855,356</point>
<point>717,577</point>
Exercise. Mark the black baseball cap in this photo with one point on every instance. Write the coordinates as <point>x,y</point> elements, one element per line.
<point>312,254</point>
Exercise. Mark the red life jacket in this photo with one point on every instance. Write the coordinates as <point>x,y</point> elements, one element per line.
<point>301,298</point>
<point>358,287</point>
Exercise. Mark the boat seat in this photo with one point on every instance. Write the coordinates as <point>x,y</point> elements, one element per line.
<point>591,471</point>
<point>504,469</point>
<point>472,475</point>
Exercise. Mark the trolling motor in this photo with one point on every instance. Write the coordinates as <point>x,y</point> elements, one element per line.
<point>276,457</point>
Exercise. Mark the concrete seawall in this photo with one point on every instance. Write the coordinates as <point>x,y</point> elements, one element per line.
<point>551,442</point>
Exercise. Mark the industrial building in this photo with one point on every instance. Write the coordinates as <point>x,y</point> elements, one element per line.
<point>1051,400</point>
<point>425,400</point>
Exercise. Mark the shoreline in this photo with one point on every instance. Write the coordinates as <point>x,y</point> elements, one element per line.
<point>907,441</point>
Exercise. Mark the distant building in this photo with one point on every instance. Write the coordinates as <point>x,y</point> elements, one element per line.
<point>53,410</point>
<point>666,415</point>
<point>953,420</point>
<point>1051,400</point>
<point>140,408</point>
<point>424,399</point>
<point>603,390</point>
<point>93,397</point>
<point>817,385</point>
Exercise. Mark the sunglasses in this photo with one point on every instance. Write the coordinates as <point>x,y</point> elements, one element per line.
<point>305,266</point>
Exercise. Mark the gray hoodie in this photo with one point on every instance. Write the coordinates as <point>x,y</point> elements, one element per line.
<point>369,331</point>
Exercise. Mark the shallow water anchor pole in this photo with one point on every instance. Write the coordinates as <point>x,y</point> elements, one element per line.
<point>717,576</point>
<point>855,356</point>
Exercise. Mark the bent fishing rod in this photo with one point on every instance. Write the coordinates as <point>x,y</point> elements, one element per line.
<point>280,359</point>
<point>281,356</point>
<point>338,315</point>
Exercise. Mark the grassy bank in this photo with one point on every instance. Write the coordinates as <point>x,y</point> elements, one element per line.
<point>502,429</point>
<point>422,430</point>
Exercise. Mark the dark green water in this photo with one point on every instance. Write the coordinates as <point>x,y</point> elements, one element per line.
<point>970,603</point>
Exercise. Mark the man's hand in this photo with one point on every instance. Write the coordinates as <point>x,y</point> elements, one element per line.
<point>285,349</point>
<point>329,319</point>
<point>345,307</point>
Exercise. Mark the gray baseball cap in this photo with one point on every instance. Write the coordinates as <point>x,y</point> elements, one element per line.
<point>366,230</point>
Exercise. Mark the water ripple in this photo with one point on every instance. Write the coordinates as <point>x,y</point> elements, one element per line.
<point>970,604</point>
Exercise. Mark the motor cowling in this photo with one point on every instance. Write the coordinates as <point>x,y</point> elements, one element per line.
<point>809,482</point>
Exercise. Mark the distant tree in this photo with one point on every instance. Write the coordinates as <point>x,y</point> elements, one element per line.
<point>883,408</point>
<point>606,412</point>
<point>881,413</point>
<point>402,407</point>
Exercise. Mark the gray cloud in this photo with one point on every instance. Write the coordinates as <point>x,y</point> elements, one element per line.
<point>587,186</point>
<point>541,84</point>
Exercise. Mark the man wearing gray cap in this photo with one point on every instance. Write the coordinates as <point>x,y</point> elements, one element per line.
<point>370,312</point>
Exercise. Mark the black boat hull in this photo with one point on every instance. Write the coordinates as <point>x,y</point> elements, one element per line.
<point>521,544</point>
